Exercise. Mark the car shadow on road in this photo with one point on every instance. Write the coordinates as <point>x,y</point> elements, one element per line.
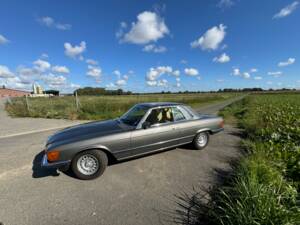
<point>197,205</point>
<point>38,171</point>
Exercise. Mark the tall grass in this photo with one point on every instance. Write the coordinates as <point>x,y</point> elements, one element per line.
<point>100,107</point>
<point>264,187</point>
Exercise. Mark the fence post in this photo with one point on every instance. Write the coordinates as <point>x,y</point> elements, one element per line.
<point>77,101</point>
<point>27,104</point>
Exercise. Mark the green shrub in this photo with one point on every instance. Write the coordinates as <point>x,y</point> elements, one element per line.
<point>264,188</point>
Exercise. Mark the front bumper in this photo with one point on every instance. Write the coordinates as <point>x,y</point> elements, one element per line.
<point>57,165</point>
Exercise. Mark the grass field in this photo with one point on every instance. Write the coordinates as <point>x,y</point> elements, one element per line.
<point>265,185</point>
<point>101,107</point>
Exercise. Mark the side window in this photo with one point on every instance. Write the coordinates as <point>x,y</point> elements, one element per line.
<point>177,114</point>
<point>160,115</point>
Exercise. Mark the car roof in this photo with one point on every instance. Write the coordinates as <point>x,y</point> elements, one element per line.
<point>157,104</point>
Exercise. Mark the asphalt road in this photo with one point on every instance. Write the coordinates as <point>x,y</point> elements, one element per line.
<point>139,191</point>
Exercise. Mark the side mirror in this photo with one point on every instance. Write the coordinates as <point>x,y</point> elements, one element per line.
<point>146,125</point>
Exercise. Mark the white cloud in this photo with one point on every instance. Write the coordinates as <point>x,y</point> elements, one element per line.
<point>75,51</point>
<point>125,77</point>
<point>50,22</point>
<point>151,82</point>
<point>117,73</point>
<point>44,56</point>
<point>191,71</point>
<point>275,74</point>
<point>225,4</point>
<point>269,82</point>
<point>94,71</point>
<point>47,21</point>
<point>61,26</point>
<point>211,39</point>
<point>289,61</point>
<point>236,72</point>
<point>183,61</point>
<point>121,82</point>
<point>60,69</point>
<point>154,48</point>
<point>5,72</point>
<point>222,58</point>
<point>110,85</point>
<point>41,65</point>
<point>253,70</point>
<point>3,40</point>
<point>162,83</point>
<point>54,81</point>
<point>154,73</point>
<point>158,83</point>
<point>246,75</point>
<point>120,31</point>
<point>91,62</point>
<point>257,78</point>
<point>286,10</point>
<point>220,80</point>
<point>149,27</point>
<point>178,84</point>
<point>176,73</point>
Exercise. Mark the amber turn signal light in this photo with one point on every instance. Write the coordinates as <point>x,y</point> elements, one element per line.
<point>222,124</point>
<point>53,155</point>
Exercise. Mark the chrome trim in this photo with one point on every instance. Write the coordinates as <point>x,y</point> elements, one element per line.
<point>57,164</point>
<point>157,150</point>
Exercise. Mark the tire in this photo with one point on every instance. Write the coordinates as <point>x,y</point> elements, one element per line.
<point>89,164</point>
<point>201,140</point>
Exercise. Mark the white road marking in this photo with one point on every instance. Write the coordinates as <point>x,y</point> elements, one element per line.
<point>36,131</point>
<point>15,172</point>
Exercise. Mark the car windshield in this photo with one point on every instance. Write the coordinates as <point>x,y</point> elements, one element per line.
<point>134,115</point>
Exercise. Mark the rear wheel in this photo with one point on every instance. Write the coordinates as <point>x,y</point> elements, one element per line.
<point>201,140</point>
<point>89,164</point>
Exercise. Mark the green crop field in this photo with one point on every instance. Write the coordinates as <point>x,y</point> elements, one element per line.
<point>264,186</point>
<point>100,107</point>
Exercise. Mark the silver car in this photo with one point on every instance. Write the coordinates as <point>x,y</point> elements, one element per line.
<point>145,128</point>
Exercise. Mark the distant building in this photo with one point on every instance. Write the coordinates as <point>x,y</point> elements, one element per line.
<point>37,89</point>
<point>7,92</point>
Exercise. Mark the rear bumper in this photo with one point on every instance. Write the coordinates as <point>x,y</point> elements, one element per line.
<point>57,165</point>
<point>217,130</point>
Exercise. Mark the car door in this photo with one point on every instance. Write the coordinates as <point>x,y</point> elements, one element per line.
<point>161,134</point>
<point>186,125</point>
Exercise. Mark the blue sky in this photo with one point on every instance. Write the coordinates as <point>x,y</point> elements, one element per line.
<point>149,46</point>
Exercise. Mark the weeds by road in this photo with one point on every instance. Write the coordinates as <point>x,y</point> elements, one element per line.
<point>100,107</point>
<point>264,187</point>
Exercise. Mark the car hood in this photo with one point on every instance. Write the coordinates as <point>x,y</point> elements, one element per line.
<point>87,130</point>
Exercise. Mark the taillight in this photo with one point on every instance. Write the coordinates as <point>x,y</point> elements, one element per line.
<point>221,124</point>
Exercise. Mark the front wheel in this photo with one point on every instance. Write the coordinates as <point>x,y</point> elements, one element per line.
<point>89,164</point>
<point>201,140</point>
